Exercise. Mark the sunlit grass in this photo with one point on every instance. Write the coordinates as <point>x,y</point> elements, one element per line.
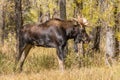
<point>93,73</point>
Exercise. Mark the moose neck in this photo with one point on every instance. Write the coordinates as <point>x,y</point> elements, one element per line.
<point>70,29</point>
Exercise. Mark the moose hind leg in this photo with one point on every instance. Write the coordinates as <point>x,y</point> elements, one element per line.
<point>76,47</point>
<point>24,55</point>
<point>18,56</point>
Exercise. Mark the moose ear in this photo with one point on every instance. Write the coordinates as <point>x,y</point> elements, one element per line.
<point>75,21</point>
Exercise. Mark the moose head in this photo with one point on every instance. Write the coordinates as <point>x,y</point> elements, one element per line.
<point>82,36</point>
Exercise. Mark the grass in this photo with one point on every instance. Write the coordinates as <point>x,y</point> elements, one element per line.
<point>42,64</point>
<point>93,73</point>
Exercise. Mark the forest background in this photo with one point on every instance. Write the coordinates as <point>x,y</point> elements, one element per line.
<point>41,63</point>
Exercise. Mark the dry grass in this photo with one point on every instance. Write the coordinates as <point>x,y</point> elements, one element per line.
<point>70,74</point>
<point>42,64</point>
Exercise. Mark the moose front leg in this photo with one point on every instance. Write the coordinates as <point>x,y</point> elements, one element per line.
<point>76,47</point>
<point>66,49</point>
<point>61,57</point>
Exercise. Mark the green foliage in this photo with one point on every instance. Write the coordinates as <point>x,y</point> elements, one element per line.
<point>109,16</point>
<point>79,1</point>
<point>32,16</point>
<point>117,35</point>
<point>91,12</point>
<point>51,6</point>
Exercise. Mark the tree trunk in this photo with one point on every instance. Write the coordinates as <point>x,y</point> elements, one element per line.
<point>47,14</point>
<point>78,8</point>
<point>40,15</point>
<point>18,23</point>
<point>110,39</point>
<point>118,16</point>
<point>2,22</point>
<point>56,13</point>
<point>116,20</point>
<point>62,4</point>
<point>103,25</point>
<point>96,38</point>
<point>110,45</point>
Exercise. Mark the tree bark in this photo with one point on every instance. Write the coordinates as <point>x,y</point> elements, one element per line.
<point>46,16</point>
<point>62,4</point>
<point>117,29</point>
<point>2,22</point>
<point>118,19</point>
<point>56,14</point>
<point>18,23</point>
<point>96,38</point>
<point>78,8</point>
<point>103,25</point>
<point>110,46</point>
<point>110,40</point>
<point>40,15</point>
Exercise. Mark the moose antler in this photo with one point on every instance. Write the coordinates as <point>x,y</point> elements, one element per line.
<point>83,21</point>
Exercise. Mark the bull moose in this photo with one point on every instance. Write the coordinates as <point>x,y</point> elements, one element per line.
<point>53,33</point>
